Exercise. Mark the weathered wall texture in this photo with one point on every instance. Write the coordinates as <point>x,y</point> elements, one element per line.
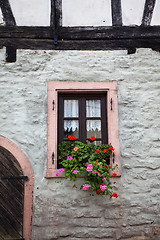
<point>61,212</point>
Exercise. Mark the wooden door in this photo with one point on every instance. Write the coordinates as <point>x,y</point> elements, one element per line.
<point>11,197</point>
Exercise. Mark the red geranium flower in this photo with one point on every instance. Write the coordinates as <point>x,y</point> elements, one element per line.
<point>96,161</point>
<point>92,138</point>
<point>98,150</point>
<point>98,191</point>
<point>86,164</point>
<point>114,182</point>
<point>72,138</point>
<point>114,195</point>
<point>105,151</point>
<point>114,175</point>
<point>108,166</point>
<point>111,148</point>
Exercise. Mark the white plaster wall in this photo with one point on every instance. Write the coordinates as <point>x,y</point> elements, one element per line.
<point>61,212</point>
<point>132,12</point>
<point>86,13</point>
<point>32,12</point>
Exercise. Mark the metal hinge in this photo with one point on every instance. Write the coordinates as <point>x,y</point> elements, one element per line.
<point>53,105</point>
<point>111,104</point>
<point>14,177</point>
<point>113,157</point>
<point>53,158</point>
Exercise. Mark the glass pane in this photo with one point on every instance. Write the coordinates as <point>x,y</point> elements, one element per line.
<point>93,108</point>
<point>94,128</point>
<point>71,108</point>
<point>71,127</point>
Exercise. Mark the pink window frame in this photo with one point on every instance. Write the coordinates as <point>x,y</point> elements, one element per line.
<point>55,87</point>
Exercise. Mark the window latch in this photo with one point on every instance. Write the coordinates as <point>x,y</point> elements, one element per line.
<point>53,105</point>
<point>111,104</point>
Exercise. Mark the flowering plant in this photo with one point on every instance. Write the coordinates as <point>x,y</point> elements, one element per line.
<point>90,161</point>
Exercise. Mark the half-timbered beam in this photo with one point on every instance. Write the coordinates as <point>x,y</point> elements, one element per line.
<point>7,13</point>
<point>148,11</point>
<point>111,44</point>
<point>116,12</point>
<point>82,33</point>
<point>55,20</point>
<point>10,21</point>
<point>99,38</point>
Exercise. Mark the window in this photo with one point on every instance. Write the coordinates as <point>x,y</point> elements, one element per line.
<point>82,109</point>
<point>83,116</point>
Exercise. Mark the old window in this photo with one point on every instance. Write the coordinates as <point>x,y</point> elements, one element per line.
<point>82,115</point>
<point>82,109</point>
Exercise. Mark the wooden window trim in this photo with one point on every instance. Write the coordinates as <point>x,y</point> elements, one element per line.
<point>55,87</point>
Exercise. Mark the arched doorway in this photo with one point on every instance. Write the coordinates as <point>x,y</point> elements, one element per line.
<point>16,189</point>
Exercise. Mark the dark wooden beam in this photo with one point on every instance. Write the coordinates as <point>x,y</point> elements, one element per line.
<point>148,11</point>
<point>116,12</point>
<point>83,33</point>
<point>109,44</point>
<point>58,5</point>
<point>7,12</point>
<point>9,20</point>
<point>131,51</point>
<point>55,21</point>
<point>10,54</point>
<point>99,38</point>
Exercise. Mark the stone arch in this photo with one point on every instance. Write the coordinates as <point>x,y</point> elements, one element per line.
<point>28,185</point>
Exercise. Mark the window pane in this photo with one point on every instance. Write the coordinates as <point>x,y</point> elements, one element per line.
<point>93,108</point>
<point>71,127</point>
<point>71,108</point>
<point>94,128</point>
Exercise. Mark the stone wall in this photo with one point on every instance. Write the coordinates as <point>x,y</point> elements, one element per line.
<point>61,212</point>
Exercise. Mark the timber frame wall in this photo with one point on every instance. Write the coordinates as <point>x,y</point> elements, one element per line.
<point>57,37</point>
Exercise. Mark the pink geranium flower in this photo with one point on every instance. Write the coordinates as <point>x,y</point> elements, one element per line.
<point>104,179</point>
<point>86,186</point>
<point>61,170</point>
<point>103,187</point>
<point>75,171</point>
<point>76,149</point>
<point>56,173</point>
<point>69,158</point>
<point>89,168</point>
<point>100,175</point>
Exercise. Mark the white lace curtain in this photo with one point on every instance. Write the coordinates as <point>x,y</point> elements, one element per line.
<point>93,109</point>
<point>71,125</point>
<point>71,108</point>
